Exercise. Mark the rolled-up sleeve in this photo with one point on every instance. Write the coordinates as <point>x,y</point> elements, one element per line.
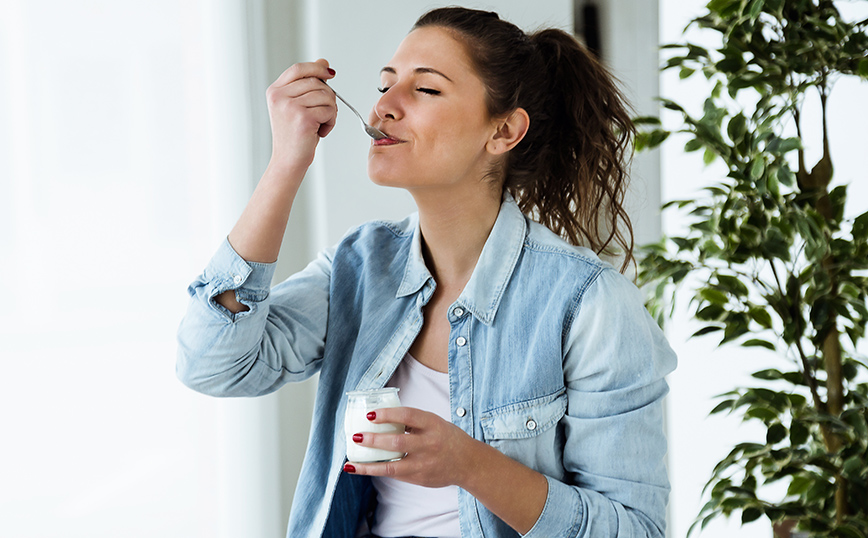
<point>280,338</point>
<point>616,360</point>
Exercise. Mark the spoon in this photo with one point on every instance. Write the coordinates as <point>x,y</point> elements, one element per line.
<point>373,132</point>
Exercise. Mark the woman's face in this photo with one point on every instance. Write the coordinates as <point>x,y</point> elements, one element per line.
<point>433,107</point>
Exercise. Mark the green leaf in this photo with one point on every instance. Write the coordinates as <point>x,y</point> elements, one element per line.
<point>799,433</point>
<point>722,406</point>
<point>646,120</point>
<point>862,68</point>
<point>761,316</point>
<point>757,167</point>
<point>860,227</point>
<point>693,144</point>
<point>789,144</point>
<point>709,156</point>
<point>756,342</point>
<point>768,375</point>
<point>720,6</point>
<point>777,432</point>
<point>713,296</point>
<point>706,330</point>
<point>731,284</point>
<point>751,513</point>
<point>786,176</point>
<point>736,128</point>
<point>799,485</point>
<point>766,414</point>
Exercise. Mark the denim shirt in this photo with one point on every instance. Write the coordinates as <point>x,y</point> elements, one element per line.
<point>553,360</point>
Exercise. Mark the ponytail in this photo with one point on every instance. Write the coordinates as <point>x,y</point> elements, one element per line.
<point>570,171</point>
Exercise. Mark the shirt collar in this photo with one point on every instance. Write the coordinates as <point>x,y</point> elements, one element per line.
<point>495,266</point>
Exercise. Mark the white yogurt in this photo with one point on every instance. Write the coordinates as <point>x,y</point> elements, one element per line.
<point>359,404</point>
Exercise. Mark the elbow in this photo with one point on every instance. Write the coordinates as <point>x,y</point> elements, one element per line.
<point>190,372</point>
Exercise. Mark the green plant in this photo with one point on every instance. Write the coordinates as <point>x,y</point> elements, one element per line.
<point>770,261</point>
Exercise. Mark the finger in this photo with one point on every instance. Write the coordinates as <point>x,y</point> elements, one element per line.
<point>387,468</point>
<point>392,442</point>
<point>306,85</point>
<point>410,417</point>
<point>317,99</point>
<point>319,69</point>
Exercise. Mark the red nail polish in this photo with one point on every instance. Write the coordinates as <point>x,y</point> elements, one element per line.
<point>331,71</point>
<point>372,415</point>
<point>357,437</point>
<point>349,468</point>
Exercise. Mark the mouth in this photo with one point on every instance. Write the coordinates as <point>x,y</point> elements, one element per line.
<point>388,141</point>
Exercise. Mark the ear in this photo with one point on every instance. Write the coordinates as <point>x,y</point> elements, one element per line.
<point>509,131</point>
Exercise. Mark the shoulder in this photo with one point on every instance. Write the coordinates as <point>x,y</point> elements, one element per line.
<point>562,264</point>
<point>378,238</point>
<point>375,247</point>
<point>381,229</point>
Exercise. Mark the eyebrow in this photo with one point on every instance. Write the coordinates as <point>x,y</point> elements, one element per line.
<point>418,70</point>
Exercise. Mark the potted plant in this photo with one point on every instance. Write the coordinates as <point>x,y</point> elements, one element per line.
<point>770,261</point>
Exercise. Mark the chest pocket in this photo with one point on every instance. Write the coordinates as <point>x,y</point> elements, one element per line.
<point>524,420</point>
<point>526,432</point>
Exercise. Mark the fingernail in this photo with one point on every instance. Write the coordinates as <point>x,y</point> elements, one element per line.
<point>372,415</point>
<point>357,437</point>
<point>349,468</point>
<point>331,71</point>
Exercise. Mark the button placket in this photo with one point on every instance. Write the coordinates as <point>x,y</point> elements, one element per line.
<point>460,355</point>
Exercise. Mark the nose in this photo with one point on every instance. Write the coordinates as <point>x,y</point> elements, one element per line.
<point>388,107</point>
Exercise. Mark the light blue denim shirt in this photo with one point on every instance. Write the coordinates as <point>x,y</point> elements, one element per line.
<point>553,360</point>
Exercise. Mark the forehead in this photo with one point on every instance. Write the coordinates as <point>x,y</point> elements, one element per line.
<point>433,47</point>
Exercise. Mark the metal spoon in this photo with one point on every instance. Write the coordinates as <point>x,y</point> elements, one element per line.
<point>373,132</point>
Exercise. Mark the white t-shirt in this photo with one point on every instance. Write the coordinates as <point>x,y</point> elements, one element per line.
<point>406,509</point>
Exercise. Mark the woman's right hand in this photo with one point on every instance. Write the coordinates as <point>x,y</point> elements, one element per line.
<point>302,110</point>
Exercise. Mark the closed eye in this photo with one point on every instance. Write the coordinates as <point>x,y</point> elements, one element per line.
<point>428,91</point>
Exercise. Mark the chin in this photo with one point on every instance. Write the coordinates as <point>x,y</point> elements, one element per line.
<point>385,176</point>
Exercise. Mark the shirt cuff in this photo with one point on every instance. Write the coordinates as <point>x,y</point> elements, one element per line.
<point>229,271</point>
<point>562,514</point>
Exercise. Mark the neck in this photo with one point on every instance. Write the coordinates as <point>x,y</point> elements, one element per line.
<point>454,229</point>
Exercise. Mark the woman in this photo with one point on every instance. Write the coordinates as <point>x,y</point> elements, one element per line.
<point>532,377</point>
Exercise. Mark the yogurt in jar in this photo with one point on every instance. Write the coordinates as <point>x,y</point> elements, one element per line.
<point>359,404</point>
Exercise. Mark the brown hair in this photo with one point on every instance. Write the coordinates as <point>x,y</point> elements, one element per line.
<point>570,170</point>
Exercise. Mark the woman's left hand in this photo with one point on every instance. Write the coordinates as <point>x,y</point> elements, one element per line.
<point>434,448</point>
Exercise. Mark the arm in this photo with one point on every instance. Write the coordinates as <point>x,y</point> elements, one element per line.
<point>302,110</point>
<point>614,367</point>
<point>239,338</point>
<point>277,338</point>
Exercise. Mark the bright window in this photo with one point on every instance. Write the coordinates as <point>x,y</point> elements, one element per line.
<point>114,191</point>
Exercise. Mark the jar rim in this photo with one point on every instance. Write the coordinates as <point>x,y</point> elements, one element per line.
<point>373,392</point>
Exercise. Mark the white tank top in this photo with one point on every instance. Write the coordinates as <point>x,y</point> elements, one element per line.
<point>407,509</point>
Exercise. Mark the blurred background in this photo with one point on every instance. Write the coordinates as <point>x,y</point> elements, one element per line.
<point>131,135</point>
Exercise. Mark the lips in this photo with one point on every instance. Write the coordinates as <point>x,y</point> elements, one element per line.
<point>390,141</point>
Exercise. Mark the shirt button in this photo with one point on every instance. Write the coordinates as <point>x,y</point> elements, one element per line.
<point>458,312</point>
<point>460,341</point>
<point>237,279</point>
<point>531,424</point>
<point>460,411</point>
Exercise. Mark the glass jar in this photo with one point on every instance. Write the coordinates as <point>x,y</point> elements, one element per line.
<point>359,404</point>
